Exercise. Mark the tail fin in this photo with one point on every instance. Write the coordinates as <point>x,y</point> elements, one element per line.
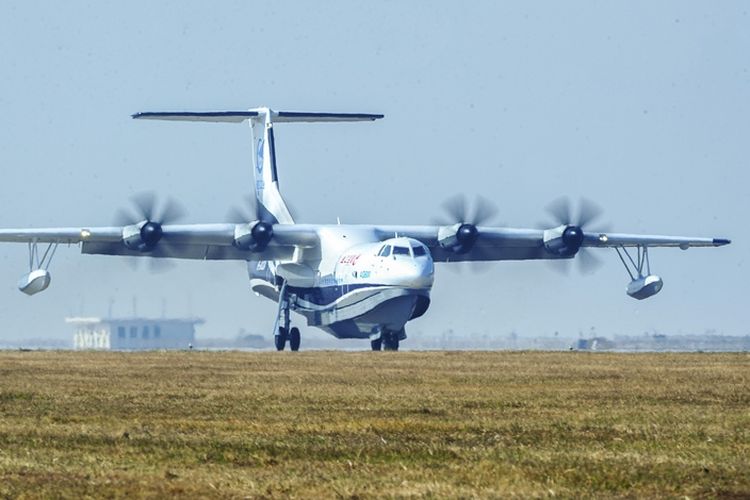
<point>270,204</point>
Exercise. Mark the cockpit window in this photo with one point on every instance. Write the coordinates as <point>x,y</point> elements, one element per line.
<point>385,251</point>
<point>401,251</point>
<point>419,251</point>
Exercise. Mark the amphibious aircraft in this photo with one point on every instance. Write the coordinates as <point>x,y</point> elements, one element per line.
<point>353,281</point>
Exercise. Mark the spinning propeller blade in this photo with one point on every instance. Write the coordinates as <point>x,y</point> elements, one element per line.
<point>457,208</point>
<point>247,212</point>
<point>459,212</point>
<point>147,209</point>
<point>145,204</point>
<point>561,210</point>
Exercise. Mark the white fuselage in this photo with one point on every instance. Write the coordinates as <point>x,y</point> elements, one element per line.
<point>353,285</point>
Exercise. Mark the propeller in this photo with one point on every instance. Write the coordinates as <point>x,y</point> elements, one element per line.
<point>260,234</point>
<point>460,211</point>
<point>561,210</point>
<point>146,207</point>
<point>457,208</point>
<point>247,211</point>
<point>243,213</point>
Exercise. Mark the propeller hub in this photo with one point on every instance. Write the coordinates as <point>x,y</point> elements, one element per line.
<point>573,239</point>
<point>151,233</point>
<point>262,233</point>
<point>466,236</point>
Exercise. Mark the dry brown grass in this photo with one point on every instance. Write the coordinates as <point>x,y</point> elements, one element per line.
<point>407,424</point>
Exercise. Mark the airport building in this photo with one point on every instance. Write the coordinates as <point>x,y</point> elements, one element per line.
<point>128,334</point>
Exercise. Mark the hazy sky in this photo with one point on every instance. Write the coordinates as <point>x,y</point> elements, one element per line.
<point>643,107</point>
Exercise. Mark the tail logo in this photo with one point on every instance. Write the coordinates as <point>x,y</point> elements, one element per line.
<point>259,163</point>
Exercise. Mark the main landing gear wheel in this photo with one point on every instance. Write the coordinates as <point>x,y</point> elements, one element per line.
<point>294,339</point>
<point>377,345</point>
<point>390,341</point>
<point>280,339</point>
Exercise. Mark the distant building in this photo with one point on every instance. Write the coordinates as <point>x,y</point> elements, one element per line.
<point>594,344</point>
<point>133,333</point>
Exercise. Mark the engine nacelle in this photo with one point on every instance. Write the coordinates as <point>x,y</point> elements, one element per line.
<point>645,287</point>
<point>254,236</point>
<point>458,238</point>
<point>142,237</point>
<point>34,282</point>
<point>564,241</point>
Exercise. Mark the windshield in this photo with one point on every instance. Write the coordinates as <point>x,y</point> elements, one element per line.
<point>401,251</point>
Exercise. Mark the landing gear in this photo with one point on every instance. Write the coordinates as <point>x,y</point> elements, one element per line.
<point>294,339</point>
<point>280,339</point>
<point>285,331</point>
<point>387,340</point>
<point>390,341</point>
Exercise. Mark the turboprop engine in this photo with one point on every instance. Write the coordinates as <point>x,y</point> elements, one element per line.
<point>142,237</point>
<point>564,241</point>
<point>458,238</point>
<point>460,233</point>
<point>254,236</point>
<point>142,228</point>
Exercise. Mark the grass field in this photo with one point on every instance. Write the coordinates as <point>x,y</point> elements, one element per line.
<point>342,424</point>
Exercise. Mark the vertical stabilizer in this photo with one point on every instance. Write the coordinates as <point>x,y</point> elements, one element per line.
<point>270,204</point>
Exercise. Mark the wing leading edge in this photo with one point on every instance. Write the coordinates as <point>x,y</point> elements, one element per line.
<point>216,241</point>
<point>494,243</point>
<point>611,240</point>
<point>185,241</point>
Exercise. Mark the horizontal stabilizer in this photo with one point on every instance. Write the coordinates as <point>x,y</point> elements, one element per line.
<point>197,116</point>
<point>240,116</point>
<point>296,116</point>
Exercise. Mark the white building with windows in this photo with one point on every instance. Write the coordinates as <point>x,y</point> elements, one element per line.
<point>128,334</point>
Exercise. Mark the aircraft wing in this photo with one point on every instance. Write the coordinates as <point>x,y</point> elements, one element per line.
<point>494,243</point>
<point>217,241</point>
<point>187,241</point>
<point>611,240</point>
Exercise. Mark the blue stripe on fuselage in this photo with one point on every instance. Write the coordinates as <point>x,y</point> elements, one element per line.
<point>325,295</point>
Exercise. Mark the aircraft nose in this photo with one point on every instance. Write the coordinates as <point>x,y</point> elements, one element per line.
<point>418,273</point>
